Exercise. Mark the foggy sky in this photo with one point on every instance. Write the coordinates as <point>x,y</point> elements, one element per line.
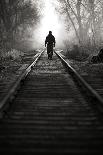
<point>50,20</point>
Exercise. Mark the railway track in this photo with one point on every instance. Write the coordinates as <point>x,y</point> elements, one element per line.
<point>93,75</point>
<point>95,79</point>
<point>49,114</point>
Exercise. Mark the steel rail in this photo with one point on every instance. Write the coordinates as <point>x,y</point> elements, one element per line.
<point>12,91</point>
<point>92,92</point>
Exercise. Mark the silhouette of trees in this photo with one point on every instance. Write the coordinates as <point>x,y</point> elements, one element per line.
<point>15,17</point>
<point>86,18</point>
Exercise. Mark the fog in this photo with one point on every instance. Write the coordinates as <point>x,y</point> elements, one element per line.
<point>50,20</point>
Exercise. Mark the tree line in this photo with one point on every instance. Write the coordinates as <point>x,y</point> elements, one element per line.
<point>16,16</point>
<point>86,19</point>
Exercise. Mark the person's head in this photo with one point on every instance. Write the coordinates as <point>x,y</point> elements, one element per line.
<point>50,32</point>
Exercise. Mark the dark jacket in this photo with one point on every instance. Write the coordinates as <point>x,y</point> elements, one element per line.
<point>50,40</point>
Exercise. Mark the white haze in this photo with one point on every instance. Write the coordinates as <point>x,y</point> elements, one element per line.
<point>50,21</point>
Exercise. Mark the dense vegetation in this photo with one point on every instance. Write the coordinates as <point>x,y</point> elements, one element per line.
<point>17,17</point>
<point>85,19</point>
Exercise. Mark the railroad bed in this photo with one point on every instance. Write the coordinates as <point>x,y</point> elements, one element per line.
<point>95,79</point>
<point>50,115</point>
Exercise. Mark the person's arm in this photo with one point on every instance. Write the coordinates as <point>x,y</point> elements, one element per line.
<point>45,41</point>
<point>54,42</point>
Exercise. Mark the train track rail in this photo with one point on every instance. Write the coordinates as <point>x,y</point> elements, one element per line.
<point>49,114</point>
<point>13,90</point>
<point>85,84</point>
<point>95,79</point>
<point>91,73</point>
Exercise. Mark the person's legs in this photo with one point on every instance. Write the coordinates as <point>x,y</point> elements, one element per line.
<point>48,55</point>
<point>50,51</point>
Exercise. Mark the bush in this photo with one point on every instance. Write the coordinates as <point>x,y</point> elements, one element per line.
<point>77,54</point>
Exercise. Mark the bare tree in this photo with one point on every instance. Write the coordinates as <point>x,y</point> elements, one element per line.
<point>86,17</point>
<point>16,16</point>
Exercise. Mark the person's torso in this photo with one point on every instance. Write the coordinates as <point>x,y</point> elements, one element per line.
<point>50,39</point>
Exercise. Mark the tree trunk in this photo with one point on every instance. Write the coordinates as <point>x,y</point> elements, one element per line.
<point>78,7</point>
<point>93,25</point>
<point>76,32</point>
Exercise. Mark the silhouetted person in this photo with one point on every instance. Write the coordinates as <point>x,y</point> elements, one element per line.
<point>50,42</point>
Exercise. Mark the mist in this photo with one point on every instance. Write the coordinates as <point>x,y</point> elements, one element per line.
<point>50,21</point>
